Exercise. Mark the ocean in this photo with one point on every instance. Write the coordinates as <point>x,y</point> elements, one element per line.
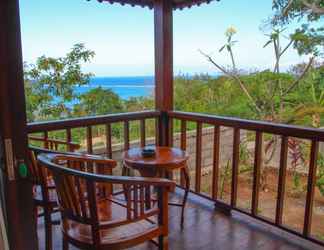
<point>125,87</point>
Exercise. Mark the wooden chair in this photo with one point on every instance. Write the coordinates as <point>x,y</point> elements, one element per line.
<point>44,195</point>
<point>43,185</point>
<point>95,218</point>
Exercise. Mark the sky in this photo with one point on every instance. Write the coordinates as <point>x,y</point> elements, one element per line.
<point>123,36</point>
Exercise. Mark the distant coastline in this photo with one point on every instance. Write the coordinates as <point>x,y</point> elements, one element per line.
<point>124,87</point>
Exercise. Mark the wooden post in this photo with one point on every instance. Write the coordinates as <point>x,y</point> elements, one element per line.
<point>18,191</point>
<point>163,29</point>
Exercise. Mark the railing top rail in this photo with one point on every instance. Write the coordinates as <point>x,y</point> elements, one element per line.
<point>89,121</point>
<point>265,127</point>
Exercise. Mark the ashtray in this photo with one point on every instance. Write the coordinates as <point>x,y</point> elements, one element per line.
<point>148,152</point>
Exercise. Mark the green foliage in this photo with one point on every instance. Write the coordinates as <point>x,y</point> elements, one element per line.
<point>98,101</point>
<point>320,174</point>
<point>309,40</point>
<point>139,103</point>
<point>309,37</point>
<point>50,83</point>
<point>308,100</point>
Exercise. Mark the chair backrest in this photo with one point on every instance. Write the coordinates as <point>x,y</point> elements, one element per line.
<point>38,175</point>
<point>78,192</point>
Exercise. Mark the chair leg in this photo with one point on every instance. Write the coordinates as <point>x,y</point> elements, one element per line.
<point>185,172</point>
<point>125,172</point>
<point>65,244</point>
<point>36,216</point>
<point>163,242</point>
<point>36,220</point>
<point>48,229</point>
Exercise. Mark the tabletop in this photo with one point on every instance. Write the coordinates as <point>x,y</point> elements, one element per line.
<point>165,157</point>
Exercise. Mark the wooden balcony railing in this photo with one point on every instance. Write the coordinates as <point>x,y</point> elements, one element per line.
<point>314,136</point>
<point>258,128</point>
<point>67,127</point>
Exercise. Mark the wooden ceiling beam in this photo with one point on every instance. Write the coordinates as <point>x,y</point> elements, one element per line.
<point>150,3</point>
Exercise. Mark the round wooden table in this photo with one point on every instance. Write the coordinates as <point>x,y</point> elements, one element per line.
<point>162,164</point>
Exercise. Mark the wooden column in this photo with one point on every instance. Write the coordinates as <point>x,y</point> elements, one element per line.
<point>163,65</point>
<point>18,191</point>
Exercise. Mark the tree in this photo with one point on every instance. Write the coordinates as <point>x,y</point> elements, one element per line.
<point>268,99</point>
<point>139,104</point>
<point>98,101</point>
<point>309,37</point>
<point>309,99</point>
<point>50,83</point>
<point>276,90</point>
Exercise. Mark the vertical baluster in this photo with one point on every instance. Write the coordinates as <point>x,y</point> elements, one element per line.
<point>235,165</point>
<point>108,141</point>
<point>142,199</point>
<point>282,179</point>
<point>89,140</point>
<point>46,140</point>
<point>69,139</point>
<point>50,145</point>
<point>128,201</point>
<point>135,195</point>
<point>126,135</point>
<point>256,172</point>
<point>157,130</point>
<point>183,145</point>
<point>143,136</point>
<point>170,142</point>
<point>216,161</point>
<point>311,188</point>
<point>147,197</point>
<point>198,156</point>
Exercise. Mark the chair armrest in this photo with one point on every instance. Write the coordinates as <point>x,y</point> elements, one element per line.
<point>100,161</point>
<point>51,161</point>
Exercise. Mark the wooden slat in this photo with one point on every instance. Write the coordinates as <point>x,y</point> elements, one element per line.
<point>135,200</point>
<point>216,162</point>
<point>91,192</point>
<point>282,179</point>
<point>108,140</point>
<point>170,143</point>
<point>183,145</point>
<point>128,201</point>
<point>142,131</point>
<point>257,172</point>
<point>46,140</point>
<point>157,130</point>
<point>198,156</point>
<point>310,188</point>
<point>126,135</point>
<point>89,140</point>
<point>142,199</point>
<point>235,165</point>
<point>69,139</point>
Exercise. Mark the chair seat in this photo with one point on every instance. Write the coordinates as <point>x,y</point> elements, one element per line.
<point>114,236</point>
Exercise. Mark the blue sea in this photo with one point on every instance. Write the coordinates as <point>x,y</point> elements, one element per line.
<point>125,87</point>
